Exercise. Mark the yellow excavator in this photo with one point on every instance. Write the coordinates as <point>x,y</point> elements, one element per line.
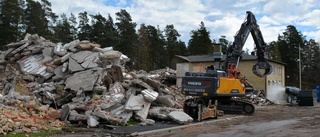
<point>224,88</point>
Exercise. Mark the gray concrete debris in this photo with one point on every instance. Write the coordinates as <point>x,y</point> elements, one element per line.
<point>149,121</point>
<point>161,112</point>
<point>31,65</point>
<point>116,88</point>
<point>85,82</point>
<point>142,114</point>
<point>81,56</point>
<point>74,66</point>
<point>136,103</point>
<point>180,117</point>
<point>149,95</point>
<point>65,111</point>
<point>75,116</point>
<point>92,122</point>
<point>165,100</point>
<point>139,105</point>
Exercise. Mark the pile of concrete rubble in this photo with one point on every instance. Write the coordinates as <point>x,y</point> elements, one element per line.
<point>45,85</point>
<point>259,98</point>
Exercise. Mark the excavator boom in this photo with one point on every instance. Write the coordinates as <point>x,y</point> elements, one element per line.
<point>235,50</point>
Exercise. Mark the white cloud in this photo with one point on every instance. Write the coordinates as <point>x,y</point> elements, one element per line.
<point>221,17</point>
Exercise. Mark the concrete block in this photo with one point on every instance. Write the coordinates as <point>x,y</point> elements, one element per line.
<point>165,100</point>
<point>139,105</point>
<point>161,112</point>
<point>47,51</point>
<point>75,116</point>
<point>92,122</point>
<point>60,50</point>
<point>136,103</point>
<point>149,94</point>
<point>65,112</point>
<point>142,114</point>
<point>180,117</point>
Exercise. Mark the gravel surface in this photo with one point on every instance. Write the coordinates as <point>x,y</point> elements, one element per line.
<point>273,120</point>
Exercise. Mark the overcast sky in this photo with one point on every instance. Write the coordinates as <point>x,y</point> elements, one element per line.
<point>221,17</point>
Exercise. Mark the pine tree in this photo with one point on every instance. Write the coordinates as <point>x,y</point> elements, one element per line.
<point>159,55</point>
<point>143,61</point>
<point>224,44</point>
<point>200,42</point>
<point>37,17</point>
<point>273,51</point>
<point>310,58</point>
<point>11,14</point>
<point>289,50</point>
<point>63,30</point>
<point>111,33</point>
<point>128,37</point>
<point>49,19</point>
<point>84,27</point>
<point>171,35</point>
<point>98,25</point>
<point>73,29</point>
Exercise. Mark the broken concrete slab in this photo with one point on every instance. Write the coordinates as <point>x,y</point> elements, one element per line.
<point>81,56</point>
<point>116,88</point>
<point>141,83</point>
<point>149,95</point>
<point>31,65</point>
<point>74,66</point>
<point>60,50</point>
<point>92,122</point>
<point>19,49</point>
<point>136,103</point>
<point>84,80</point>
<point>75,116</point>
<point>161,112</point>
<point>65,112</point>
<point>47,51</point>
<point>16,44</point>
<point>142,114</point>
<point>180,117</point>
<point>90,61</point>
<point>166,100</point>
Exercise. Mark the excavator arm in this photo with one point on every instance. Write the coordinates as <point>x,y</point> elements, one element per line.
<point>234,51</point>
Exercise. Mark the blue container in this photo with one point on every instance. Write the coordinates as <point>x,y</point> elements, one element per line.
<point>318,93</point>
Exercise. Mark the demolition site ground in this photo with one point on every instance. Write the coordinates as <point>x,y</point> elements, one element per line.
<point>271,120</point>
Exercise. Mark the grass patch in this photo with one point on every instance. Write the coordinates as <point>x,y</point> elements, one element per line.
<point>131,122</point>
<point>43,133</point>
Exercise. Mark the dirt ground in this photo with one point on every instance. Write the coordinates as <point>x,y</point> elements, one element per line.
<point>267,121</point>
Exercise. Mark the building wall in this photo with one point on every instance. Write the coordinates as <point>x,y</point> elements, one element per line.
<point>182,68</point>
<point>245,67</point>
<point>278,75</point>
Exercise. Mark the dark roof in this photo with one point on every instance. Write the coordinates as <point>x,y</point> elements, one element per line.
<point>210,58</point>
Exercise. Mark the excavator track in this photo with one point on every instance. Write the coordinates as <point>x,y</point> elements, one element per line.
<point>236,105</point>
